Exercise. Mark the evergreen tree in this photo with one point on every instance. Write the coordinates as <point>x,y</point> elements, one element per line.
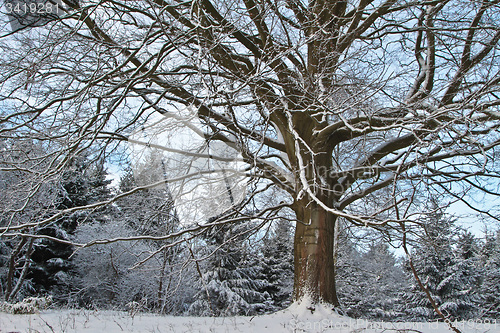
<point>155,285</point>
<point>490,288</point>
<point>277,265</point>
<point>447,273</point>
<point>39,266</point>
<point>230,284</point>
<point>83,182</point>
<point>375,282</point>
<point>149,211</point>
<point>463,280</point>
<point>350,287</point>
<point>383,283</point>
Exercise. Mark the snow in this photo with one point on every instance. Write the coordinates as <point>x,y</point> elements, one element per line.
<point>297,318</point>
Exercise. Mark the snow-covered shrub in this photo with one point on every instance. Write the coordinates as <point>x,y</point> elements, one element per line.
<point>135,307</point>
<point>104,271</point>
<point>107,277</point>
<point>40,303</point>
<point>29,305</point>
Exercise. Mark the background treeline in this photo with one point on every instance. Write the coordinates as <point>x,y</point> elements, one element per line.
<point>228,269</point>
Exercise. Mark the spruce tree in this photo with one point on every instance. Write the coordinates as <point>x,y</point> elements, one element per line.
<point>277,265</point>
<point>463,279</point>
<point>230,284</point>
<point>375,282</point>
<point>490,288</point>
<point>350,289</point>
<point>383,283</point>
<point>448,272</point>
<point>151,211</point>
<point>42,265</point>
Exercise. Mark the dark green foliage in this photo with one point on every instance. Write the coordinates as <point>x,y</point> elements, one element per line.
<point>83,184</point>
<point>46,262</point>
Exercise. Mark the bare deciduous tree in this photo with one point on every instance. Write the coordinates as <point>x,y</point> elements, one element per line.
<point>330,101</point>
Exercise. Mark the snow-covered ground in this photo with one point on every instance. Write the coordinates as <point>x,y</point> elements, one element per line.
<point>297,318</point>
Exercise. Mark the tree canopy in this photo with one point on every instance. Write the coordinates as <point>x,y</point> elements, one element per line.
<point>335,108</point>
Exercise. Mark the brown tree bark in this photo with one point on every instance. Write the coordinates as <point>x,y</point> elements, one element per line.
<point>313,248</point>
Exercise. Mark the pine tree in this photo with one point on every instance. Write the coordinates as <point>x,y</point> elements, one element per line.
<point>230,285</point>
<point>463,280</point>
<point>83,183</point>
<point>447,272</point>
<point>374,282</point>
<point>490,288</point>
<point>39,266</point>
<point>155,285</point>
<point>350,277</point>
<point>383,283</point>
<point>152,212</point>
<point>149,211</point>
<point>277,265</point>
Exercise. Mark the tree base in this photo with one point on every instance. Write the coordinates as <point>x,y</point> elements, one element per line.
<point>306,307</point>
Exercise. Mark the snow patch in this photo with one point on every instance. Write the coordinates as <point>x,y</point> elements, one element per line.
<point>306,308</point>
<point>297,318</point>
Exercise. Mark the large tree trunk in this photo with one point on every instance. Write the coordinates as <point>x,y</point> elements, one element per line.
<point>313,254</point>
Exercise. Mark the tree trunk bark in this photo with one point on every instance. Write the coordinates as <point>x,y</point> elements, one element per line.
<point>313,254</point>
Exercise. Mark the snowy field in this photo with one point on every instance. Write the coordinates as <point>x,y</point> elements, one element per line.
<point>294,319</point>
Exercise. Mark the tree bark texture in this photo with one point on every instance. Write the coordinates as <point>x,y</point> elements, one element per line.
<point>314,260</point>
